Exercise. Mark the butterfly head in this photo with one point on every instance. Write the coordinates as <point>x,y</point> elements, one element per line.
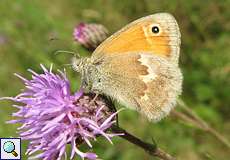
<point>79,64</point>
<point>87,70</point>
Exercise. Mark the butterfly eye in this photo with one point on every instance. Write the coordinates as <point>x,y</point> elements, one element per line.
<point>155,29</point>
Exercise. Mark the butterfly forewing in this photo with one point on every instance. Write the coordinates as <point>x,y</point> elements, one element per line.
<point>138,36</point>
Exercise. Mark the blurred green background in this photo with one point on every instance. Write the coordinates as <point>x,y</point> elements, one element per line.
<point>28,27</point>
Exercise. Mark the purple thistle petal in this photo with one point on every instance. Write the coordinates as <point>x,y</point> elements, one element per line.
<point>22,78</point>
<point>55,121</point>
<point>106,122</point>
<point>91,156</point>
<point>52,117</point>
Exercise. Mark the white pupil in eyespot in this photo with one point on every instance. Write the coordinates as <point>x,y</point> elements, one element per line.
<point>155,29</point>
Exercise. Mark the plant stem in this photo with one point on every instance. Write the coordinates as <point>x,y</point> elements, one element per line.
<point>192,118</point>
<point>152,149</point>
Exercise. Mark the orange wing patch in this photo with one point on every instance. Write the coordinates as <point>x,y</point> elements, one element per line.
<point>134,39</point>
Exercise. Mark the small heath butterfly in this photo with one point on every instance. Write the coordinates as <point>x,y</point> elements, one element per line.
<point>137,66</point>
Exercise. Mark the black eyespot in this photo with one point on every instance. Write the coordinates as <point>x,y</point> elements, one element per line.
<point>155,29</point>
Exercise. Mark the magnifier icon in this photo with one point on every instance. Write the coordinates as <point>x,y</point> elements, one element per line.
<point>9,147</point>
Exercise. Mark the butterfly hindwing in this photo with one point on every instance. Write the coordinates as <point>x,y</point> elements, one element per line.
<point>142,81</point>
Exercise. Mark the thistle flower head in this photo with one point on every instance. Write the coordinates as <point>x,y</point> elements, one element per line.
<point>90,35</point>
<point>52,117</point>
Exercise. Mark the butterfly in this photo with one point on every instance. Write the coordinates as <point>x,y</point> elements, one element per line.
<point>137,66</point>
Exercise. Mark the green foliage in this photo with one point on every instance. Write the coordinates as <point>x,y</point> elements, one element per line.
<point>26,30</point>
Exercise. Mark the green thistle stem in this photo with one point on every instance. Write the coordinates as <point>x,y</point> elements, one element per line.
<point>189,116</point>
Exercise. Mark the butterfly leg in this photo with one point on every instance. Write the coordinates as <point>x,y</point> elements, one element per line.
<point>94,99</point>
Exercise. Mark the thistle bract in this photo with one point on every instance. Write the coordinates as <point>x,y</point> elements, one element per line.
<point>90,35</point>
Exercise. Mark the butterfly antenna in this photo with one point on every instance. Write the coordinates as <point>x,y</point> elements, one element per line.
<point>69,52</point>
<point>68,65</point>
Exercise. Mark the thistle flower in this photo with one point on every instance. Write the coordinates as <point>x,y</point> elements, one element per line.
<point>52,117</point>
<point>90,35</point>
